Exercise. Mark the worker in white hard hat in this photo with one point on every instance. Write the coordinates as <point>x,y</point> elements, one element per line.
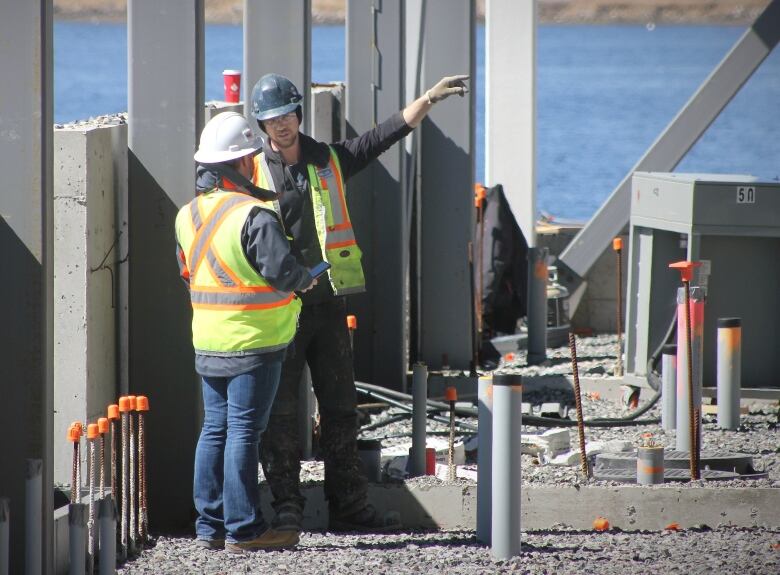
<point>235,259</point>
<point>311,179</point>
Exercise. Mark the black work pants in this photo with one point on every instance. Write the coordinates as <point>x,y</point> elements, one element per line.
<point>322,340</point>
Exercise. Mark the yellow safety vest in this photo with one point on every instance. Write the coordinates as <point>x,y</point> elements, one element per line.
<point>235,311</point>
<point>331,218</point>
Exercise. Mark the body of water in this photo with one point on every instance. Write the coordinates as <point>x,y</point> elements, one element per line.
<point>604,93</point>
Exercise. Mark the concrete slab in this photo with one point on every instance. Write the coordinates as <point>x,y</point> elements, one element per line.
<point>453,506</point>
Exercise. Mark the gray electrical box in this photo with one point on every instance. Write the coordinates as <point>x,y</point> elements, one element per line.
<point>730,221</point>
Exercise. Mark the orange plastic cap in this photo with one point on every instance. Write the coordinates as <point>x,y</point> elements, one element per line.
<point>451,394</point>
<point>113,411</point>
<point>509,356</point>
<point>132,402</point>
<point>141,403</point>
<point>600,524</point>
<point>352,322</point>
<point>73,434</point>
<point>103,425</point>
<point>79,426</point>
<point>92,431</point>
<point>124,404</point>
<point>673,527</point>
<point>617,244</point>
<point>686,269</point>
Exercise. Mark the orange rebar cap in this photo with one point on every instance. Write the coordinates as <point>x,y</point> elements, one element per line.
<point>141,403</point>
<point>103,425</point>
<point>480,193</point>
<point>124,404</point>
<point>74,434</point>
<point>113,411</point>
<point>617,244</point>
<point>79,426</point>
<point>451,394</point>
<point>351,322</point>
<point>132,402</point>
<point>686,269</point>
<point>92,431</point>
<point>601,524</point>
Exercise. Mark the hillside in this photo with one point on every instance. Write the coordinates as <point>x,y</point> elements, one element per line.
<point>550,11</point>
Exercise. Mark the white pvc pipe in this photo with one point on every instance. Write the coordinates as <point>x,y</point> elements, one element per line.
<point>484,458</point>
<point>77,537</point>
<point>33,524</point>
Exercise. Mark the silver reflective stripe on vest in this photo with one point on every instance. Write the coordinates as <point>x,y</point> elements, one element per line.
<point>331,186</point>
<point>226,298</point>
<point>340,236</point>
<point>269,183</point>
<point>197,220</point>
<point>243,352</point>
<point>209,225</point>
<point>219,271</point>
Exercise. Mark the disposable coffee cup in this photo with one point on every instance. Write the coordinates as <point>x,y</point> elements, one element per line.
<point>232,80</point>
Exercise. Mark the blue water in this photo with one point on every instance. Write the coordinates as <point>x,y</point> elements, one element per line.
<point>604,95</point>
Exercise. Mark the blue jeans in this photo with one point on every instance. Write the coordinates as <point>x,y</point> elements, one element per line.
<point>226,491</point>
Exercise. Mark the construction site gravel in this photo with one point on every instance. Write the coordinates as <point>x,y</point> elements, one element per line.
<point>710,549</point>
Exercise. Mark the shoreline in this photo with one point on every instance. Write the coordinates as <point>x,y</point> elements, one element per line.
<point>333,12</point>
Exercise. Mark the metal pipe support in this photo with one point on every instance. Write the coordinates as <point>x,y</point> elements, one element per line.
<point>484,458</point>
<point>107,520</point>
<point>669,387</point>
<point>419,418</point>
<point>77,537</point>
<point>729,371</point>
<point>685,404</point>
<point>537,305</point>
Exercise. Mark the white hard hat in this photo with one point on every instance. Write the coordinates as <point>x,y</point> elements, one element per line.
<point>227,136</point>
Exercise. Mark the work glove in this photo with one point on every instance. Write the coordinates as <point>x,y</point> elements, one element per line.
<point>446,87</point>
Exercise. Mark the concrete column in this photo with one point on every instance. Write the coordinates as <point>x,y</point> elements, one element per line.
<point>165,101</point>
<point>446,167</point>
<point>277,39</point>
<point>510,106</point>
<point>85,254</point>
<point>375,196</point>
<point>26,263</point>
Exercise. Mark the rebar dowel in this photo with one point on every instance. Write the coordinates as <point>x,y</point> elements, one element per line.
<point>694,430</point>
<point>113,459</point>
<point>107,521</point>
<point>77,538</point>
<point>102,429</point>
<point>419,418</point>
<point>5,530</point>
<point>91,524</point>
<point>697,438</point>
<point>74,475</point>
<point>33,520</point>
<point>618,245</point>
<point>133,485</point>
<point>578,404</point>
<point>143,520</point>
<point>452,396</point>
<point>123,538</point>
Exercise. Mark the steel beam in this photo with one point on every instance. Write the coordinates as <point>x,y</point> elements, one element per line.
<point>679,136</point>
<point>510,106</point>
<point>376,200</point>
<point>165,101</point>
<point>277,39</point>
<point>446,179</point>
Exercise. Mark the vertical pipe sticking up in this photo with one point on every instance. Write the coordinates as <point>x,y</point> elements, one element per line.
<point>537,305</point>
<point>124,408</point>
<point>73,437</point>
<point>451,394</point>
<point>617,245</point>
<point>102,429</point>
<point>142,406</point>
<point>650,464</point>
<point>33,518</point>
<point>578,404</point>
<point>419,418</point>
<point>669,387</point>
<point>5,529</point>
<point>506,470</point>
<point>484,458</point>
<point>133,486</point>
<point>729,371</point>
<point>107,520</point>
<point>77,538</point>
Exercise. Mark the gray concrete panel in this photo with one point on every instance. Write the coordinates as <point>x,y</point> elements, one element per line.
<point>446,167</point>
<point>679,136</point>
<point>510,106</point>
<point>84,263</point>
<point>375,196</point>
<point>26,265</point>
<point>165,98</point>
<point>277,39</point>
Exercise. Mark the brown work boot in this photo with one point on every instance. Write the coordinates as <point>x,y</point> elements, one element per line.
<point>270,539</point>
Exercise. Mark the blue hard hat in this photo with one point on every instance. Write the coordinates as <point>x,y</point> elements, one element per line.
<point>273,96</point>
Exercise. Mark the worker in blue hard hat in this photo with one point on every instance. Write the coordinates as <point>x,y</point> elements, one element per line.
<point>310,179</point>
